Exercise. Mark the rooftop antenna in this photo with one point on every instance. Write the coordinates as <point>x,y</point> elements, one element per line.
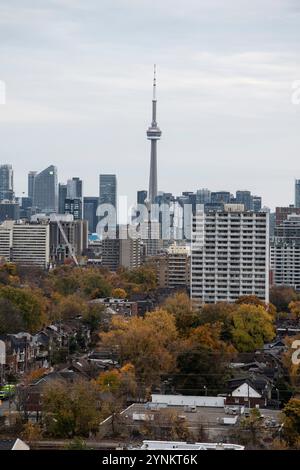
<point>154,83</point>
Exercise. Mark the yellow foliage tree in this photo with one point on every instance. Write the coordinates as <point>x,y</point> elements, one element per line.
<point>119,293</point>
<point>148,343</point>
<point>252,326</point>
<point>294,308</point>
<point>71,306</point>
<point>181,307</point>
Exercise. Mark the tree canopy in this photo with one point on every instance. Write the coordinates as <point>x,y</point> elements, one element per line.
<point>146,342</point>
<point>31,304</point>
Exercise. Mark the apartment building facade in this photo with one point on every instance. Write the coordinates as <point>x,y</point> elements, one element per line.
<point>285,252</point>
<point>172,267</point>
<point>6,240</point>
<point>230,255</point>
<point>30,245</point>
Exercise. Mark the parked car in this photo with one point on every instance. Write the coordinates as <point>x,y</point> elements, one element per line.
<point>7,391</point>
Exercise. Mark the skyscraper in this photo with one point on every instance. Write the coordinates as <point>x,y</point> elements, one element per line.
<point>6,183</point>
<point>244,197</point>
<point>297,193</point>
<point>74,199</point>
<point>256,202</point>
<point>285,252</point>
<point>153,134</point>
<point>74,206</point>
<point>220,197</point>
<point>62,196</point>
<point>90,210</point>
<point>141,196</point>
<point>108,195</point>
<point>31,176</point>
<point>203,196</point>
<point>108,190</point>
<point>230,255</point>
<point>74,188</point>
<point>45,191</point>
<point>9,210</point>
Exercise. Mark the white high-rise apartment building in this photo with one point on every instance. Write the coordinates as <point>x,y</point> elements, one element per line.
<point>230,255</point>
<point>6,240</point>
<point>31,244</point>
<point>285,263</point>
<point>285,253</point>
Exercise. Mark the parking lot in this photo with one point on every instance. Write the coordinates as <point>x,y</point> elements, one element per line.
<point>210,419</point>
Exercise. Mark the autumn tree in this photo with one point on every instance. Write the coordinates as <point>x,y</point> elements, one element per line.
<point>281,296</point>
<point>9,275</point>
<point>252,326</point>
<point>33,276</point>
<point>119,293</point>
<point>31,303</point>
<point>246,326</point>
<point>254,300</point>
<point>148,343</point>
<point>180,306</point>
<point>116,386</point>
<point>221,313</point>
<point>291,422</point>
<point>142,279</point>
<point>203,362</point>
<point>94,284</point>
<point>294,308</point>
<point>63,280</point>
<point>11,318</point>
<point>250,428</point>
<point>72,306</point>
<point>120,382</point>
<point>70,409</point>
<point>94,316</point>
<point>109,381</point>
<point>32,432</point>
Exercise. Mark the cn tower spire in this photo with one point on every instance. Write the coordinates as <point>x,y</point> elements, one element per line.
<point>154,83</point>
<point>153,134</point>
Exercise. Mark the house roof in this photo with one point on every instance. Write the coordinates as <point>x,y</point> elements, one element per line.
<point>6,444</point>
<point>245,390</point>
<point>69,373</point>
<point>13,444</point>
<point>257,381</point>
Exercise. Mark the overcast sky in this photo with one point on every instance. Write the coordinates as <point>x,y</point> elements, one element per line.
<point>78,77</point>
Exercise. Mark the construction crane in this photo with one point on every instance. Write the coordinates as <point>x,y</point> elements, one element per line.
<point>71,250</point>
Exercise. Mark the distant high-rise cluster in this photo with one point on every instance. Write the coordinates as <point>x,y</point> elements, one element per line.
<point>6,183</point>
<point>219,245</point>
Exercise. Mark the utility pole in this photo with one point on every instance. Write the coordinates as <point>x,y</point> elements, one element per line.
<point>248,397</point>
<point>9,406</point>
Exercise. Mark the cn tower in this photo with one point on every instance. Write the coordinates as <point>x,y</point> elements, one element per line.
<point>153,134</point>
